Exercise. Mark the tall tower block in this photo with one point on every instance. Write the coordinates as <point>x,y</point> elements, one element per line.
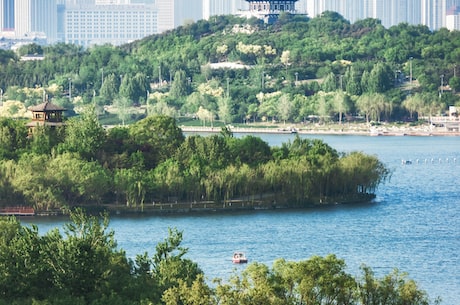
<point>269,10</point>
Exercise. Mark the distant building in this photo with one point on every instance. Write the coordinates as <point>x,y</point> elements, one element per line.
<point>223,7</point>
<point>88,25</point>
<point>36,16</point>
<point>434,13</point>
<point>174,13</point>
<point>6,15</point>
<point>453,18</point>
<point>45,114</point>
<point>431,13</point>
<point>269,10</point>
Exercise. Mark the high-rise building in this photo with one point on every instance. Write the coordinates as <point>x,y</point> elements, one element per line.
<point>223,7</point>
<point>453,18</point>
<point>187,11</point>
<point>114,24</point>
<point>433,13</point>
<point>6,15</point>
<point>36,16</point>
<point>391,12</point>
<point>174,13</point>
<point>166,15</point>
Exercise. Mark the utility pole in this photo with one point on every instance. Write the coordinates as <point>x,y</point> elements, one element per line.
<point>442,84</point>
<point>228,87</point>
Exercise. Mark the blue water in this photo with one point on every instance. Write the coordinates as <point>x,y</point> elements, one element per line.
<point>414,224</point>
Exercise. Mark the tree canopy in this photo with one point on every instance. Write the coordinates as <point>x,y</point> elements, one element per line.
<point>83,265</point>
<point>297,56</point>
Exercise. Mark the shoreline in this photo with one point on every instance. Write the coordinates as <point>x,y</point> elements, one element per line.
<point>380,131</point>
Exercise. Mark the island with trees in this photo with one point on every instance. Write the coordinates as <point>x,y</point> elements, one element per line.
<point>151,166</point>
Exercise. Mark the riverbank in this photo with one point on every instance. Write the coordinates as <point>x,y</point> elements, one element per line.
<point>332,129</point>
<point>227,206</point>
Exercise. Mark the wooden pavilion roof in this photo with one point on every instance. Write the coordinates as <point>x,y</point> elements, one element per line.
<point>46,107</point>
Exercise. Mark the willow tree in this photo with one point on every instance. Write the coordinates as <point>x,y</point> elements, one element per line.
<point>363,173</point>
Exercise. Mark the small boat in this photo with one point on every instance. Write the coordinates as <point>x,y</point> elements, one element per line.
<point>239,258</point>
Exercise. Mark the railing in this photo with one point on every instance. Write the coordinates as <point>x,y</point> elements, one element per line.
<point>444,119</point>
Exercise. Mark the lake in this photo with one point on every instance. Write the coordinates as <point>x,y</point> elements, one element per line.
<point>413,225</point>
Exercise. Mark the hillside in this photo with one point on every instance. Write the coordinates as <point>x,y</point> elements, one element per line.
<point>236,70</point>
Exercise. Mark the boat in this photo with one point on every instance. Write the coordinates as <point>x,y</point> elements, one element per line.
<point>239,258</point>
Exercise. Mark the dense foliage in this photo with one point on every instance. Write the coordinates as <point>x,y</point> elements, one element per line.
<point>84,266</point>
<point>296,68</point>
<point>151,161</point>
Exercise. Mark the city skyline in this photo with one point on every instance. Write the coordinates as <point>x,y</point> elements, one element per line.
<point>84,21</point>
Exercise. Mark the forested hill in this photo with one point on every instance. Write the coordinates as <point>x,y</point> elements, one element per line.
<point>298,67</point>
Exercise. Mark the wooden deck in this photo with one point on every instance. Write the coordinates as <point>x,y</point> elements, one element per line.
<point>17,211</point>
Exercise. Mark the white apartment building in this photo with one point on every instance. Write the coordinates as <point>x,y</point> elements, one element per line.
<point>36,16</point>
<point>6,15</point>
<point>434,13</point>
<point>166,15</point>
<point>223,7</point>
<point>453,18</point>
<point>174,13</point>
<point>351,10</point>
<point>391,12</point>
<point>116,24</point>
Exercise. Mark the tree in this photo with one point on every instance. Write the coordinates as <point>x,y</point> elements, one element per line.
<point>13,138</point>
<point>205,115</point>
<point>84,135</point>
<point>364,105</point>
<point>179,86</point>
<point>122,105</point>
<point>454,83</point>
<point>109,89</point>
<point>157,137</point>
<point>393,288</point>
<point>225,110</point>
<point>286,60</point>
<point>250,150</point>
<point>341,104</point>
<point>353,86</point>
<point>330,83</point>
<point>285,107</point>
<point>80,268</point>
<point>380,78</point>
<point>169,265</point>
<point>45,139</point>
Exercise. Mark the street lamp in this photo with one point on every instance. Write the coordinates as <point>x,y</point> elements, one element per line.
<point>1,97</point>
<point>159,76</point>
<point>263,79</point>
<point>147,102</point>
<point>228,87</point>
<point>442,84</point>
<point>296,78</point>
<point>411,58</point>
<point>70,89</point>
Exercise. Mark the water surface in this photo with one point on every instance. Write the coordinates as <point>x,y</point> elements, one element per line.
<point>413,225</point>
